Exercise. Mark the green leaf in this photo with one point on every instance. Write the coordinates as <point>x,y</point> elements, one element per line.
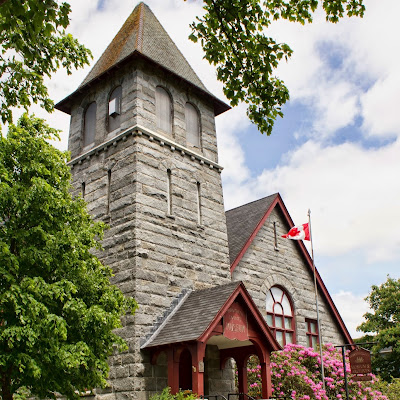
<point>35,31</point>
<point>58,310</point>
<point>232,34</point>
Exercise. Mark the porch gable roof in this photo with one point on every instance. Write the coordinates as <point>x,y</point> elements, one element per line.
<point>195,317</point>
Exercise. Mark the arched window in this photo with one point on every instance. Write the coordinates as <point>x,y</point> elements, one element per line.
<point>280,315</point>
<point>192,125</point>
<point>163,110</point>
<point>114,109</point>
<point>89,124</point>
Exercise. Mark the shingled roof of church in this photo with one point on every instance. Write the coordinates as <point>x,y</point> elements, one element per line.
<point>143,35</point>
<point>192,316</point>
<point>242,221</point>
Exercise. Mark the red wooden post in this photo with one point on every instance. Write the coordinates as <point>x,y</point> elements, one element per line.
<point>173,370</point>
<point>198,352</point>
<point>266,378</point>
<point>242,374</point>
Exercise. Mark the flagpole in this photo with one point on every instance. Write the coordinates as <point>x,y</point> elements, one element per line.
<point>316,303</point>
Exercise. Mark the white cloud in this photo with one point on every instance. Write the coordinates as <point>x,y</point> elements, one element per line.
<point>337,107</point>
<point>351,308</point>
<point>368,60</point>
<point>351,191</point>
<point>380,107</point>
<point>232,157</point>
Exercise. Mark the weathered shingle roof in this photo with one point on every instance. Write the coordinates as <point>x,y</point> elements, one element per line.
<point>193,316</point>
<point>242,221</point>
<point>143,35</point>
<point>143,32</point>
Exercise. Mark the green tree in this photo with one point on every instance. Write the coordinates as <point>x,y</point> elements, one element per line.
<point>34,44</point>
<point>58,310</point>
<point>234,36</point>
<point>384,324</point>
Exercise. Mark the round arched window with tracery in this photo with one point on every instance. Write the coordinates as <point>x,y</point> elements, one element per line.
<point>280,315</point>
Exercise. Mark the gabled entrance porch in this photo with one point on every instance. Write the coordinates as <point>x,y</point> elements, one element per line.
<point>207,328</point>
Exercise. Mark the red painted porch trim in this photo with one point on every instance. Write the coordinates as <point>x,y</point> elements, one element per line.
<point>241,289</point>
<point>173,370</point>
<point>278,201</point>
<point>253,235</point>
<point>197,350</point>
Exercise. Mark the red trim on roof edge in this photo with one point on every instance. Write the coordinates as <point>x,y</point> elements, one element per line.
<point>278,201</point>
<point>253,235</point>
<point>255,312</point>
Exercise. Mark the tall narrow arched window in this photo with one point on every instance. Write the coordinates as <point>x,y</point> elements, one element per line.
<point>114,109</point>
<point>280,315</point>
<point>163,110</point>
<point>89,130</point>
<point>192,125</point>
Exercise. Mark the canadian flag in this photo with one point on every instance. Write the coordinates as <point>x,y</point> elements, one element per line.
<point>301,232</point>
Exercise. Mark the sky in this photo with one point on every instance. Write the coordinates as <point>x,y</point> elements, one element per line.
<point>336,151</point>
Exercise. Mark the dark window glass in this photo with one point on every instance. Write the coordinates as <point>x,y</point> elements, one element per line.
<point>312,333</point>
<point>90,124</point>
<point>114,109</point>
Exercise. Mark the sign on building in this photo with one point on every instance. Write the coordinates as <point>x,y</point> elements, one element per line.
<point>235,323</point>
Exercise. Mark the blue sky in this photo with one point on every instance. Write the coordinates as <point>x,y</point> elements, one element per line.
<point>336,151</point>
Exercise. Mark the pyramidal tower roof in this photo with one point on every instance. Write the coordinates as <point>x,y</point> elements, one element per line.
<point>142,35</point>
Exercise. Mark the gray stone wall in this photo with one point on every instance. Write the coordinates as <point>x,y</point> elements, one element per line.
<point>100,93</point>
<point>139,82</point>
<point>218,381</point>
<point>263,267</point>
<point>154,254</point>
<point>147,81</point>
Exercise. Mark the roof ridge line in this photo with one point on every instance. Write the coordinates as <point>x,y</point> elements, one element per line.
<point>186,293</point>
<point>232,282</point>
<point>250,202</point>
<point>139,37</point>
<point>255,231</point>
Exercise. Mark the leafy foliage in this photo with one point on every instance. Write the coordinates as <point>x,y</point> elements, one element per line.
<point>34,44</point>
<point>181,395</point>
<point>233,34</point>
<point>296,374</point>
<point>384,323</point>
<point>57,307</point>
<point>391,390</point>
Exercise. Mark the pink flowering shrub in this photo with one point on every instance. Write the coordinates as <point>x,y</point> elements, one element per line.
<point>296,373</point>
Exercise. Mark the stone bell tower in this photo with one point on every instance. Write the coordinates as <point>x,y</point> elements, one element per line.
<point>144,157</point>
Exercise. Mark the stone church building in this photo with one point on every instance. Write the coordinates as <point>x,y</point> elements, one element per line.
<point>211,285</point>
